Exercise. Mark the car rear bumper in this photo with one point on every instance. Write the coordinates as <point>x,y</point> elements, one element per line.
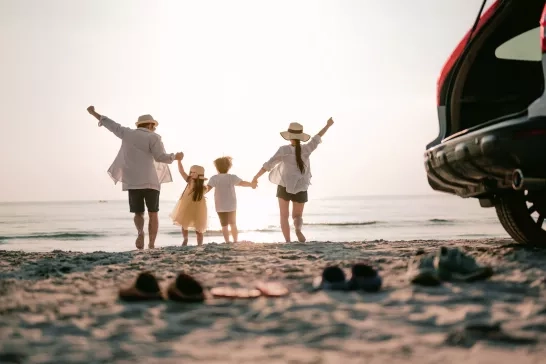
<point>482,161</point>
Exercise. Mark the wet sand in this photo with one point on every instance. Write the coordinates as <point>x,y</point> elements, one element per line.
<point>62,307</point>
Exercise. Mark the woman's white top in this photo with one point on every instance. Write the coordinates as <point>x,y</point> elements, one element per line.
<point>283,169</point>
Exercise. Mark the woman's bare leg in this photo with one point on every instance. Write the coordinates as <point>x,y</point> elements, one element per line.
<point>284,213</point>
<point>199,238</point>
<point>297,216</point>
<point>185,235</point>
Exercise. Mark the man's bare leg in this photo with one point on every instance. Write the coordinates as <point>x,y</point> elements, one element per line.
<point>139,224</point>
<point>185,235</point>
<point>153,227</point>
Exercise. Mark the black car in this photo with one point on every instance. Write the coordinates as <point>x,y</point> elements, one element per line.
<point>492,114</point>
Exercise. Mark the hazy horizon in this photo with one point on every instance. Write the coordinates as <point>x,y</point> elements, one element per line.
<point>223,78</point>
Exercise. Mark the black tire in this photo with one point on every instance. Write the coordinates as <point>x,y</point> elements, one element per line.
<point>522,215</point>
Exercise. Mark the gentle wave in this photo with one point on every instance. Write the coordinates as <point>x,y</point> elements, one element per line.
<point>363,223</point>
<point>57,236</point>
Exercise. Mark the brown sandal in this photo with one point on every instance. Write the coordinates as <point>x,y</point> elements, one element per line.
<point>185,288</point>
<point>272,289</point>
<point>144,288</point>
<point>230,292</point>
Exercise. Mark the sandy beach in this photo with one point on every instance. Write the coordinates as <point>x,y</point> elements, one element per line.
<point>62,307</point>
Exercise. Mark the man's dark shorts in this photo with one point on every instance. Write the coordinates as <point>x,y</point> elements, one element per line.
<point>300,197</point>
<point>137,198</point>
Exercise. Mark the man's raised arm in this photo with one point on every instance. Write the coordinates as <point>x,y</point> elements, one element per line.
<point>109,124</point>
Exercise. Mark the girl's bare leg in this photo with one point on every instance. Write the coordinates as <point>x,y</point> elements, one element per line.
<point>185,235</point>
<point>284,213</point>
<point>225,232</point>
<point>199,238</point>
<point>297,215</point>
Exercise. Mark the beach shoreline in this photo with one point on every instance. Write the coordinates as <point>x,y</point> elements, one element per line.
<point>60,306</point>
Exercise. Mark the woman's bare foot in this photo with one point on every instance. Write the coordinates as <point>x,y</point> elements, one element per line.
<point>139,243</point>
<point>301,237</point>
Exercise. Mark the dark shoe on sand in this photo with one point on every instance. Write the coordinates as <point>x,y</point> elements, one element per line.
<point>333,278</point>
<point>230,292</point>
<point>145,288</point>
<point>272,289</point>
<point>185,288</point>
<point>364,278</point>
<point>454,265</point>
<point>421,271</point>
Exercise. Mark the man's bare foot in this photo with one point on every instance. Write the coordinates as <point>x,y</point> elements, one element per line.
<point>301,237</point>
<point>185,242</point>
<point>139,243</point>
<point>151,246</point>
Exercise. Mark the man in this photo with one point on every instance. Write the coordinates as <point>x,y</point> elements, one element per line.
<point>141,166</point>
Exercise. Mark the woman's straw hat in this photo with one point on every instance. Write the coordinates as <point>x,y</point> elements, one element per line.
<point>199,170</point>
<point>295,131</point>
<point>146,119</point>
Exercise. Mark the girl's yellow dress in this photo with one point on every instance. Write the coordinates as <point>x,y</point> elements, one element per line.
<point>188,213</point>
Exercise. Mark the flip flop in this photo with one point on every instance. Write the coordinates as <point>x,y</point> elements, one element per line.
<point>144,288</point>
<point>333,279</point>
<point>230,292</point>
<point>364,278</point>
<point>272,289</point>
<point>185,288</point>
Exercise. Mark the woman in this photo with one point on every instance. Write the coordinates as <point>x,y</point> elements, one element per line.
<point>290,170</point>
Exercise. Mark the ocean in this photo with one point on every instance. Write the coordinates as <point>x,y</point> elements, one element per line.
<point>107,225</point>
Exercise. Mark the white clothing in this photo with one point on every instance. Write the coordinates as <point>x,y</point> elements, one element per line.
<point>225,198</point>
<point>284,171</point>
<point>141,161</point>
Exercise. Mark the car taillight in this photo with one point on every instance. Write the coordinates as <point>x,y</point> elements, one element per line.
<point>542,25</point>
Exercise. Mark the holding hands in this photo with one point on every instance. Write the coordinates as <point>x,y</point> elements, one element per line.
<point>178,156</point>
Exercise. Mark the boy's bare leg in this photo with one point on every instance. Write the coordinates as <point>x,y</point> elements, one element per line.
<point>139,224</point>
<point>185,236</point>
<point>234,232</point>
<point>153,226</point>
<point>199,238</point>
<point>225,232</point>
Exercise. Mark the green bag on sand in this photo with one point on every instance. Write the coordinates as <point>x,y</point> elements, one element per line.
<point>421,270</point>
<point>453,265</point>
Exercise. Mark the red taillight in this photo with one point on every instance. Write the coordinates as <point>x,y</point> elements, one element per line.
<point>542,24</point>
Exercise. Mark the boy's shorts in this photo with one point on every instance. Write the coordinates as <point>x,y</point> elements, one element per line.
<point>227,218</point>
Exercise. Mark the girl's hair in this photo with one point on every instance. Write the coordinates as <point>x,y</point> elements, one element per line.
<point>299,161</point>
<point>198,187</point>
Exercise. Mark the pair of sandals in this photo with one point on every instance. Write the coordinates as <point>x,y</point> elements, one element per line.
<point>186,288</point>
<point>363,278</point>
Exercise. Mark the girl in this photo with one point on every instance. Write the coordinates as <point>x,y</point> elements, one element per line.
<point>290,170</point>
<point>191,209</point>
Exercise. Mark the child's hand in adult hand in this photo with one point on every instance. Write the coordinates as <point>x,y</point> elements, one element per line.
<point>330,122</point>
<point>179,156</point>
<point>254,184</point>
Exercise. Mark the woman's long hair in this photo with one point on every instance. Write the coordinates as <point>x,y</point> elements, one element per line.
<point>198,187</point>
<point>299,161</point>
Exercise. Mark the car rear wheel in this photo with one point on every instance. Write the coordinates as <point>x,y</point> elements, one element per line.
<point>522,214</point>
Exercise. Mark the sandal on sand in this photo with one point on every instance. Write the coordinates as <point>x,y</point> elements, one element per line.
<point>145,288</point>
<point>455,266</point>
<point>333,278</point>
<point>421,271</point>
<point>364,278</point>
<point>272,289</point>
<point>230,292</point>
<point>185,288</point>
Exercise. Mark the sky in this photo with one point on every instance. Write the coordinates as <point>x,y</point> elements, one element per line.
<point>222,78</point>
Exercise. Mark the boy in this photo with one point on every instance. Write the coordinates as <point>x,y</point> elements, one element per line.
<point>225,198</point>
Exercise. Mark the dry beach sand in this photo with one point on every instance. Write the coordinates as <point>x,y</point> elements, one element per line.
<point>62,307</point>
